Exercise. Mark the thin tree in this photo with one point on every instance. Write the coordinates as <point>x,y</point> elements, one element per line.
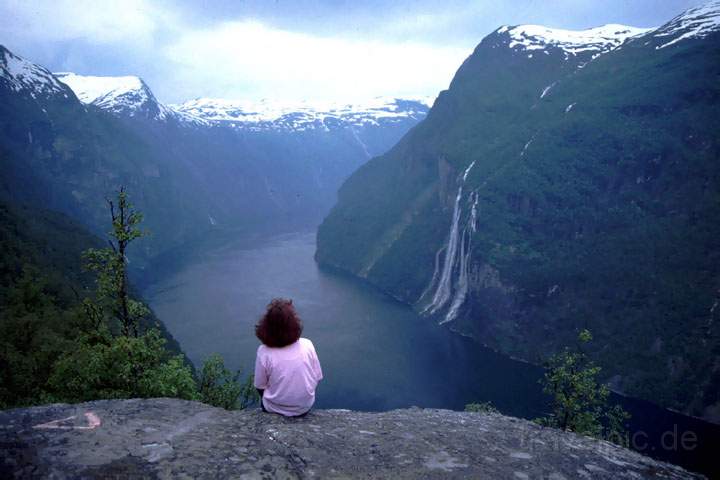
<point>110,264</point>
<point>579,401</point>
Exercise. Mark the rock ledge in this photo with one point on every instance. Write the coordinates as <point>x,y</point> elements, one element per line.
<point>170,438</point>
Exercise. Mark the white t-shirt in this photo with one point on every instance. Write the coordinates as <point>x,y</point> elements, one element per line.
<point>289,376</point>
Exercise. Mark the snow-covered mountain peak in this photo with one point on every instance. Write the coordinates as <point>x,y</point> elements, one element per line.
<point>596,40</point>
<point>696,22</point>
<point>127,95</point>
<point>268,114</point>
<point>23,75</point>
<point>89,88</point>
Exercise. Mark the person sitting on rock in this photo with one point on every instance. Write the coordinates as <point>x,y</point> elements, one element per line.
<point>287,369</point>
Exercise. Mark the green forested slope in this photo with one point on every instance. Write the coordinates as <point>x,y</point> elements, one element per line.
<point>597,207</point>
<point>42,286</point>
<point>56,153</point>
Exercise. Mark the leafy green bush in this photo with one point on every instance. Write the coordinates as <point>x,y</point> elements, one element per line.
<point>122,367</point>
<point>579,402</point>
<point>33,334</point>
<point>114,357</point>
<point>482,407</point>
<point>39,313</point>
<point>56,346</point>
<point>221,388</point>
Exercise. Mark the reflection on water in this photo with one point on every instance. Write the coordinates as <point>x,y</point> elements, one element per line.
<point>376,353</point>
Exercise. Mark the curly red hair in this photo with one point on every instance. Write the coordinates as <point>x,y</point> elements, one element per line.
<point>280,326</point>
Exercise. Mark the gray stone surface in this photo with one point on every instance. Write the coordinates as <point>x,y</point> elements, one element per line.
<point>168,438</point>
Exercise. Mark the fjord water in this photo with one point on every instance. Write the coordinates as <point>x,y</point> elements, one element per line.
<point>376,353</point>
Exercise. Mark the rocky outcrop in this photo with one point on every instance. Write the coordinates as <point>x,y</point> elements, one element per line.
<point>168,438</point>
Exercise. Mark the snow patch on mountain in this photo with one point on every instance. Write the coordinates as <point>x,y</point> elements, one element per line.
<point>697,22</point>
<point>89,88</point>
<point>22,75</point>
<point>573,42</point>
<point>299,116</point>
<point>127,95</point>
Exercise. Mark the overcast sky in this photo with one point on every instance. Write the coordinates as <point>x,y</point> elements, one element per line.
<point>288,49</point>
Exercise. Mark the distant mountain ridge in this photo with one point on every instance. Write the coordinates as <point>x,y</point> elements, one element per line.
<point>267,115</point>
<point>594,41</point>
<point>69,140</point>
<point>22,76</point>
<point>130,95</point>
<point>694,23</point>
<point>565,180</point>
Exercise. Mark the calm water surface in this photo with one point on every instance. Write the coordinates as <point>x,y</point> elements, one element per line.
<point>376,353</point>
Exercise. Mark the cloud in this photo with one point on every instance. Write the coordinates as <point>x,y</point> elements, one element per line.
<point>102,22</point>
<point>304,49</point>
<point>183,58</point>
<point>250,59</point>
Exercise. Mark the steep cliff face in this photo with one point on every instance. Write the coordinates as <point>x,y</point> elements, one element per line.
<point>164,438</point>
<point>566,180</point>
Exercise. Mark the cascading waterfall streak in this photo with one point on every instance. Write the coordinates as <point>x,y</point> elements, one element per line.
<point>436,274</point>
<point>442,294</point>
<point>459,254</point>
<point>462,285</point>
<point>444,290</point>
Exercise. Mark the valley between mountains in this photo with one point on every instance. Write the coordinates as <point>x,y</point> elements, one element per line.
<point>68,140</point>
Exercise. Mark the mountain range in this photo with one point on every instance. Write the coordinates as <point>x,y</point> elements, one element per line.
<point>130,96</point>
<point>565,180</point>
<point>68,140</point>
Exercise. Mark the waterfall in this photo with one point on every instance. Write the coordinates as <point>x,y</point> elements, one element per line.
<point>444,285</point>
<point>361,143</point>
<point>462,279</point>
<point>547,89</point>
<point>453,284</point>
<point>442,294</point>
<point>473,212</point>
<point>526,146</point>
<point>461,284</point>
<point>436,273</point>
<point>529,142</point>
<point>467,170</point>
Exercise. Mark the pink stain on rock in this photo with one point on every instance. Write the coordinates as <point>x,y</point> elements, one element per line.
<point>93,421</point>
